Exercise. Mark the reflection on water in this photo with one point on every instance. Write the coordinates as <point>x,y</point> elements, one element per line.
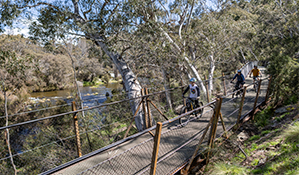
<point>88,93</point>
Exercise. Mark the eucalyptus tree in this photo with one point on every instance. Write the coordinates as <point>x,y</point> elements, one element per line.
<point>157,15</point>
<point>100,21</point>
<point>153,59</point>
<point>179,15</point>
<point>219,37</point>
<point>276,42</point>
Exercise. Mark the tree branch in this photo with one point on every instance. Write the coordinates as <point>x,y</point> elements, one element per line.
<point>89,10</point>
<point>188,21</point>
<point>38,4</point>
<point>112,13</point>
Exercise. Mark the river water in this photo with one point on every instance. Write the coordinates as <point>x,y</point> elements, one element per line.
<point>90,95</point>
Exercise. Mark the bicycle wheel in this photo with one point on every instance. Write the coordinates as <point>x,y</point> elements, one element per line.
<point>184,120</point>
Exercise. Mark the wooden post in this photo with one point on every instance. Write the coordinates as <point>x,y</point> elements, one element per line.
<point>207,88</point>
<point>241,105</point>
<point>224,86</point>
<point>269,83</point>
<point>144,109</point>
<point>214,126</point>
<point>76,129</point>
<point>256,98</point>
<point>223,125</point>
<point>156,148</point>
<point>158,109</point>
<point>148,109</point>
<point>133,118</point>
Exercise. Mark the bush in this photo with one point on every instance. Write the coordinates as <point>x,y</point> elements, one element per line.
<point>291,134</point>
<point>262,118</point>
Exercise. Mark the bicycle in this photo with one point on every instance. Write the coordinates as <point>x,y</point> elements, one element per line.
<point>238,93</point>
<point>256,83</point>
<point>190,105</point>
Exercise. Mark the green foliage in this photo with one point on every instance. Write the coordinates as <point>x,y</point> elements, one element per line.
<point>8,12</point>
<point>262,118</point>
<point>233,169</point>
<point>255,162</point>
<point>50,69</point>
<point>279,118</point>
<point>285,83</point>
<point>255,137</point>
<point>265,132</point>
<point>13,69</point>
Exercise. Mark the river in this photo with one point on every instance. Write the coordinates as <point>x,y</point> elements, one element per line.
<point>90,95</point>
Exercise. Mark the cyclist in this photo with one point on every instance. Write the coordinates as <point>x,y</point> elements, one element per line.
<point>256,72</point>
<point>193,89</point>
<point>240,79</point>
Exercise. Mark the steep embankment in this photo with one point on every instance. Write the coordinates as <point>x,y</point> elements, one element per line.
<point>269,144</point>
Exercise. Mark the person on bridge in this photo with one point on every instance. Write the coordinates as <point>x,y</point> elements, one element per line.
<point>256,72</point>
<point>240,79</point>
<point>193,89</point>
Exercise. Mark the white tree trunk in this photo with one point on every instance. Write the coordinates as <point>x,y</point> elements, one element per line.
<point>7,132</point>
<point>211,73</point>
<point>166,86</point>
<point>130,82</point>
<point>187,61</point>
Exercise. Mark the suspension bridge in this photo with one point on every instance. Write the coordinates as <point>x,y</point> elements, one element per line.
<point>168,147</point>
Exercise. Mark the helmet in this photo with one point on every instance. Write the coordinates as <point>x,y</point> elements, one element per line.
<point>239,71</point>
<point>255,66</point>
<point>192,80</point>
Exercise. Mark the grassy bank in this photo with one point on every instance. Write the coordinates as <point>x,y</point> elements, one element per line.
<point>270,144</point>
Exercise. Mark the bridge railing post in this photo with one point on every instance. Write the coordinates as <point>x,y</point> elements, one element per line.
<point>156,148</point>
<point>256,98</point>
<point>241,104</point>
<point>76,129</point>
<point>214,126</point>
<point>207,89</point>
<point>224,86</point>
